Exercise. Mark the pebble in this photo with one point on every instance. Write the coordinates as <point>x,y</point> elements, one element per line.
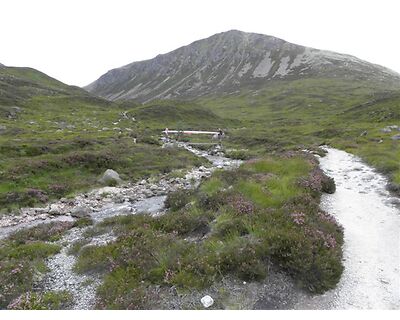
<point>207,301</point>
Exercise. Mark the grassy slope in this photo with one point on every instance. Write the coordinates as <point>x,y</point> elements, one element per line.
<point>60,144</point>
<point>309,112</point>
<point>56,139</point>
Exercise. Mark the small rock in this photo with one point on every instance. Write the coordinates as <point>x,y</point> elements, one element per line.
<point>207,301</point>
<point>396,137</point>
<point>80,212</point>
<point>54,210</point>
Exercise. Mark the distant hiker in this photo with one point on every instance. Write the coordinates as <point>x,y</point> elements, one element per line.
<point>220,133</point>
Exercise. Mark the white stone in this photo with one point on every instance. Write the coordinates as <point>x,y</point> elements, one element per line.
<point>207,301</point>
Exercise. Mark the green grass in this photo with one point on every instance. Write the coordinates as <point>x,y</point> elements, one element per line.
<point>304,113</point>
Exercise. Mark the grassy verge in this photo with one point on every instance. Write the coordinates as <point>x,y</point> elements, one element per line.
<point>22,260</point>
<point>266,213</point>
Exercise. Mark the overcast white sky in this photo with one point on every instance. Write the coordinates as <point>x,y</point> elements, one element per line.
<point>76,41</point>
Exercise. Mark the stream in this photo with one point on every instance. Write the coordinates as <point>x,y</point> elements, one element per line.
<point>371,220</point>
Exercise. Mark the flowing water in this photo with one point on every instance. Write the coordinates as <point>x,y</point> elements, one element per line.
<point>371,222</point>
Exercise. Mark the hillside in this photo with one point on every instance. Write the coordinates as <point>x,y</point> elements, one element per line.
<point>233,61</point>
<point>18,84</point>
<point>56,139</point>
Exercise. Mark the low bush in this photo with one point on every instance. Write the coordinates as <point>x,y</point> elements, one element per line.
<point>53,300</point>
<point>178,199</point>
<point>19,264</point>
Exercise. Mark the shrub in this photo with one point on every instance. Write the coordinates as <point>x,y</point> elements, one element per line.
<point>122,289</point>
<point>184,222</point>
<point>230,227</point>
<point>44,232</point>
<point>178,199</point>
<point>328,185</point>
<point>41,301</point>
<point>19,263</point>
<point>238,154</point>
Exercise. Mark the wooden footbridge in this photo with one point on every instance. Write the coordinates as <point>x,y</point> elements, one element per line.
<point>216,135</point>
<point>166,132</point>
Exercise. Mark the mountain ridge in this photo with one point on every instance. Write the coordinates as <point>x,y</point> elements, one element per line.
<point>227,62</point>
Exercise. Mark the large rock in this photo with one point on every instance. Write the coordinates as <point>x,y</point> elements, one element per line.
<point>80,212</point>
<point>110,177</point>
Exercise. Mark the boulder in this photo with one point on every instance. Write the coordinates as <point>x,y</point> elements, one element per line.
<point>80,212</point>
<point>110,177</point>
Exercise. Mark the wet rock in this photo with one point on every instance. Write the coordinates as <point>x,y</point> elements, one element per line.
<point>110,177</point>
<point>80,212</point>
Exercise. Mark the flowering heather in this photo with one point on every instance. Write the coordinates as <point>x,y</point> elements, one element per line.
<point>298,217</point>
<point>324,216</point>
<point>313,181</point>
<point>327,239</point>
<point>241,205</point>
<point>38,301</point>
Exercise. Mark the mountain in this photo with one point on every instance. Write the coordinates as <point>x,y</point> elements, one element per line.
<point>18,84</point>
<point>231,61</point>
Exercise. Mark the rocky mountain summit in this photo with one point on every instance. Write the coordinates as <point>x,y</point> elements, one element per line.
<point>227,62</point>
